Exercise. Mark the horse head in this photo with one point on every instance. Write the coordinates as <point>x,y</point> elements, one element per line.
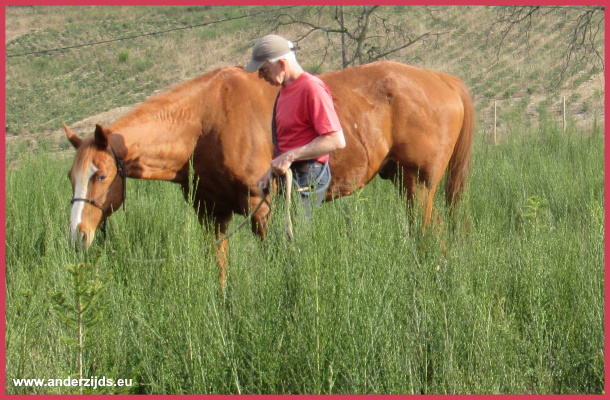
<point>98,185</point>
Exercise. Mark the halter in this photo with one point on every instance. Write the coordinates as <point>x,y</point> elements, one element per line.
<point>120,166</point>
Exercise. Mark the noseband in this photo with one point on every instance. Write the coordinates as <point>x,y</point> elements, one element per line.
<point>120,166</point>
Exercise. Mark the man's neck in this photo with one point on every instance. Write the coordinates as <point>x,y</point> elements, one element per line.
<point>292,74</point>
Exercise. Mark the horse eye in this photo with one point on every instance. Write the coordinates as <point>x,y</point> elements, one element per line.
<point>101,178</point>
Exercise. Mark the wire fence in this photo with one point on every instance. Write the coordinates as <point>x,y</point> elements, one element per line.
<point>76,46</point>
<point>497,127</point>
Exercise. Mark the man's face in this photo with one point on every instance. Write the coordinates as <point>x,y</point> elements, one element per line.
<point>272,73</point>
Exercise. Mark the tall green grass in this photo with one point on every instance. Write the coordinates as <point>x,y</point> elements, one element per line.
<point>511,302</point>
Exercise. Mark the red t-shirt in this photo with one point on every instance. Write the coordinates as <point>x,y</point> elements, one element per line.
<point>304,111</point>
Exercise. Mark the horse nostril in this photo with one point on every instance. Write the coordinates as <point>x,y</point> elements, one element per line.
<point>79,238</point>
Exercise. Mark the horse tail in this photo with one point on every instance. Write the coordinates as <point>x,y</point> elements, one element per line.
<point>459,164</point>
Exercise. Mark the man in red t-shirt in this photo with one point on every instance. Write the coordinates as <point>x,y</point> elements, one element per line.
<point>307,128</point>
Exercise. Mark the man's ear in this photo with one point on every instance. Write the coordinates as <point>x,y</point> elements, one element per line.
<point>283,62</point>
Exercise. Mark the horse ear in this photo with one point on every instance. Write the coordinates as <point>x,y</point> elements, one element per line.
<point>101,137</point>
<point>73,138</point>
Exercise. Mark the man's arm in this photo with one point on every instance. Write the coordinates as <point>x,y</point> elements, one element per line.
<point>323,144</point>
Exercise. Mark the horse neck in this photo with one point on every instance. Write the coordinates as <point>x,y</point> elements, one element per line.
<point>158,138</point>
<point>153,147</point>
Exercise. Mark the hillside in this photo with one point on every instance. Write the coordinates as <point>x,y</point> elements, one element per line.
<point>115,57</point>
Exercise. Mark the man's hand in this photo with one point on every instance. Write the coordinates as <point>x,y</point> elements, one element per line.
<point>264,180</point>
<point>323,144</point>
<point>280,164</point>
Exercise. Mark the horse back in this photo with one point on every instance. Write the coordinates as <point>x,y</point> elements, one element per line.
<point>392,111</point>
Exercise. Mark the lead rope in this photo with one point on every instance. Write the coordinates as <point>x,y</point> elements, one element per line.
<point>288,218</point>
<point>244,222</point>
<point>288,199</point>
<point>288,174</point>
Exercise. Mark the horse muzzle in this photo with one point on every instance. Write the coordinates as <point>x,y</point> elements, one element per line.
<point>80,237</point>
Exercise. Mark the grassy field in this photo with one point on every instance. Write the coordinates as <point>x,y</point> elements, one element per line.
<point>355,304</point>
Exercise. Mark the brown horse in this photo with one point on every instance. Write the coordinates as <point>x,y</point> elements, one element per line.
<point>393,115</point>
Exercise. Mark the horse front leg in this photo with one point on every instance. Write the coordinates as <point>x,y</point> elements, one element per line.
<point>262,217</point>
<point>221,225</point>
<point>221,245</point>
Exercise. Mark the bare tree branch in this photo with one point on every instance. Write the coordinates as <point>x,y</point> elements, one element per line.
<point>366,33</point>
<point>588,28</point>
<point>583,29</point>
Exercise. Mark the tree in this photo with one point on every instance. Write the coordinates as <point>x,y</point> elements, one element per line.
<point>366,33</point>
<point>582,30</point>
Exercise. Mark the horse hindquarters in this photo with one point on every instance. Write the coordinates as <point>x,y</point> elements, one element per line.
<point>459,164</point>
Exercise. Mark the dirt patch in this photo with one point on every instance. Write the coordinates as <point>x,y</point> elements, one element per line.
<point>87,125</point>
<point>56,139</point>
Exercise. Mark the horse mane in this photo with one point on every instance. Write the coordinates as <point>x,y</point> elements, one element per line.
<point>85,151</point>
<point>172,102</point>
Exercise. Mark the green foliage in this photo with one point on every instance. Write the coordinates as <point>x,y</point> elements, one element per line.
<point>123,56</point>
<point>536,214</point>
<point>76,314</point>
<point>511,302</point>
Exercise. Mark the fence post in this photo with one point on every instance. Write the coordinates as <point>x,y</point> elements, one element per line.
<point>495,122</point>
<point>564,114</point>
